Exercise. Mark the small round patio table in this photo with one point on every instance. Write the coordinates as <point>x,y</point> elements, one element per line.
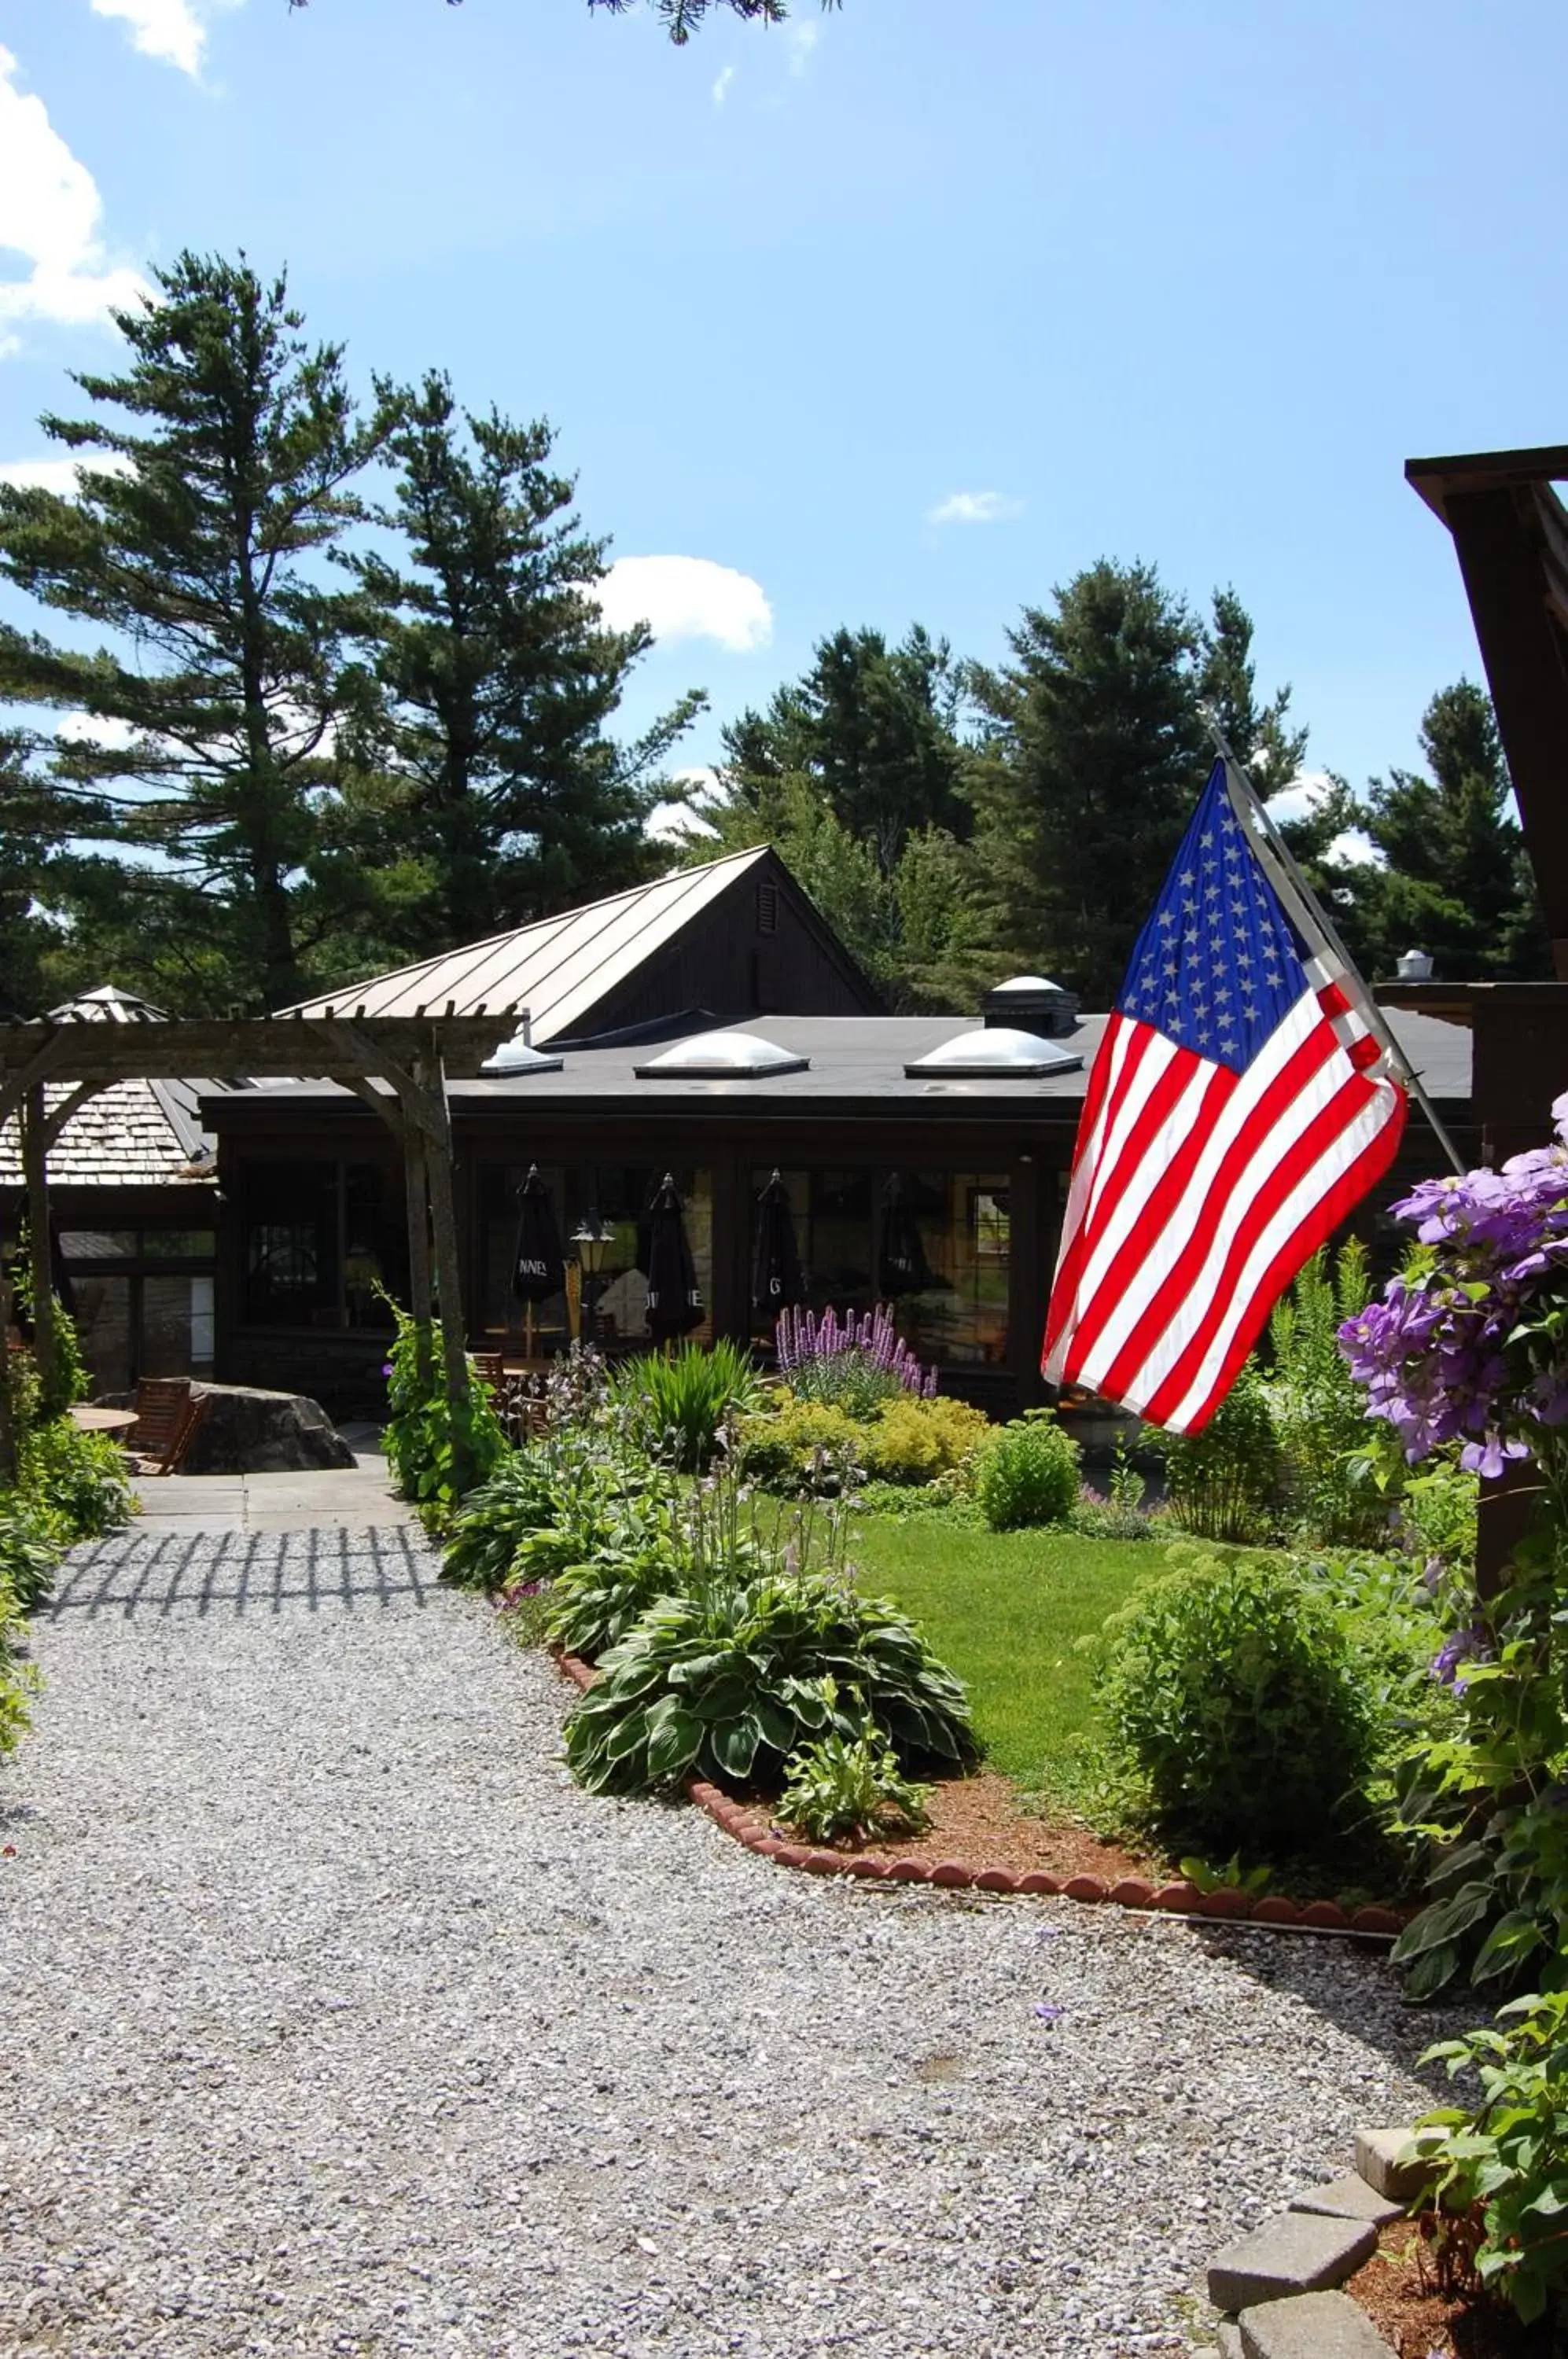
<point>93,1419</point>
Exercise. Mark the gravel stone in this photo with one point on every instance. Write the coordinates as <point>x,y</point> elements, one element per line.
<point>338,2021</point>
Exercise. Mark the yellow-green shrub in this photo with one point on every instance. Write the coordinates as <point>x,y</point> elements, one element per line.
<point>801,1446</point>
<point>911,1441</point>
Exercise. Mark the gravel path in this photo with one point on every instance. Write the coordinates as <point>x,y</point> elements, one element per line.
<point>336,2021</point>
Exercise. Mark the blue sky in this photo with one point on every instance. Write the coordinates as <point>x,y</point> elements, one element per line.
<point>900,314</point>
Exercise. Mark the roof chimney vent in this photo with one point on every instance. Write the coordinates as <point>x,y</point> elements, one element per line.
<point>1032,1003</point>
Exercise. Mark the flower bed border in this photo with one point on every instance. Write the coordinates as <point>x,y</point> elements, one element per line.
<point>1225,1906</point>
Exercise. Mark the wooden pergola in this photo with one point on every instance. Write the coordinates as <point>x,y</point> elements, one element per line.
<point>398,1065</point>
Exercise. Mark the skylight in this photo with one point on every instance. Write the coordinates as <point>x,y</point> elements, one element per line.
<point>514,1059</point>
<point>721,1055</point>
<point>996,1053</point>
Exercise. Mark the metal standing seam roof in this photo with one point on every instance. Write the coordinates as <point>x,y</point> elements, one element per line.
<point>559,969</point>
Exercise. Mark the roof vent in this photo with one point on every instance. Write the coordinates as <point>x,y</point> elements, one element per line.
<point>722,1056</point>
<point>516,1057</point>
<point>1034,1000</point>
<point>996,1053</point>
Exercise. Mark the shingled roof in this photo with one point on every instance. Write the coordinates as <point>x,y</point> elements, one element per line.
<point>134,1135</point>
<point>559,969</point>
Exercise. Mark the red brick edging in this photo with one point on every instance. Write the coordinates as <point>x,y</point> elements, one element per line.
<point>1181,1899</point>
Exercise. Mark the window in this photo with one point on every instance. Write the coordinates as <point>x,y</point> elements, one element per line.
<point>319,1238</point>
<point>142,1299</point>
<point>934,1244</point>
<point>616,1312</point>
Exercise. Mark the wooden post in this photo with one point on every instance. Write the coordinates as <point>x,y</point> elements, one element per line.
<point>35,1166</point>
<point>448,1260</point>
<point>7,1422</point>
<point>421,1304</point>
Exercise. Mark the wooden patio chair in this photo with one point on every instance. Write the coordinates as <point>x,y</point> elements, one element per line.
<point>168,1415</point>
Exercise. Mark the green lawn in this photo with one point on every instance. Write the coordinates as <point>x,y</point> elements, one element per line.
<point>1003,1609</point>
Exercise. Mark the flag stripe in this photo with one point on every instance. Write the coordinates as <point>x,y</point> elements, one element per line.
<point>1237,1160</point>
<point>1240,1103</point>
<point>1117,1267</point>
<point>1324,1197</point>
<point>1180,1393</point>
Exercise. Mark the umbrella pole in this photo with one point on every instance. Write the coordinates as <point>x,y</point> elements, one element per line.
<point>529,1329</point>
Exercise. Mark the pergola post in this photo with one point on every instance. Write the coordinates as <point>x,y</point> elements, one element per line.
<point>35,1172</point>
<point>7,1422</point>
<point>443,1220</point>
<point>422,1298</point>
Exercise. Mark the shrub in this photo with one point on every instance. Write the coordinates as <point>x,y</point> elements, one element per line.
<point>916,1440</point>
<point>675,1406</point>
<point>802,1446</point>
<point>1223,1484</point>
<point>1234,1692</point>
<point>19,1678</point>
<point>29,1550</point>
<point>841,1788</point>
<point>563,1483</point>
<point>733,1681</point>
<point>436,1459</point>
<point>1027,1473</point>
<point>1508,2162</point>
<point>853,1363</point>
<point>78,1480</point>
<point>1319,1411</point>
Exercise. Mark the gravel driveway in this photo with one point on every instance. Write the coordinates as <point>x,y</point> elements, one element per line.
<point>335,2020</point>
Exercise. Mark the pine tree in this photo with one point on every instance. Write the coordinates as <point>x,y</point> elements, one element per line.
<point>32,827</point>
<point>1456,880</point>
<point>218,472</point>
<point>1096,753</point>
<point>856,775</point>
<point>497,676</point>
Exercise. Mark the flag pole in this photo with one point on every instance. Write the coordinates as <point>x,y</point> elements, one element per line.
<point>1298,890</point>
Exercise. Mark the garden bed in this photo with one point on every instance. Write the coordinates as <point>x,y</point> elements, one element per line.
<point>1398,2291</point>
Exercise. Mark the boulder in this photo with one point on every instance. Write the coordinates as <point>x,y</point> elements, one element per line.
<point>249,1432</point>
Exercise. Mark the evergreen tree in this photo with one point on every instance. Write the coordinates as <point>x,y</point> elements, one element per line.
<point>856,775</point>
<point>31,828</point>
<point>1456,880</point>
<point>497,676</point>
<point>873,732</point>
<point>218,472</point>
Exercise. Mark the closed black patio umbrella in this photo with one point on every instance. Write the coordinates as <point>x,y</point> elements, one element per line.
<point>539,1265</point>
<point>674,1303</point>
<point>901,1264</point>
<point>776,1280</point>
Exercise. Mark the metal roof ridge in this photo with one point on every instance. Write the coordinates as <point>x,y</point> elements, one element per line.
<point>343,998</point>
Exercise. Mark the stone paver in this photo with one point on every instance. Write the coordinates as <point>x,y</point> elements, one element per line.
<point>1312,2326</point>
<point>1300,2251</point>
<point>1349,2198</point>
<point>332,1499</point>
<point>1378,2162</point>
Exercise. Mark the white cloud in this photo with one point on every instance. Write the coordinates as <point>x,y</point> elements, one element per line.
<point>976,507</point>
<point>51,214</point>
<point>169,29</point>
<point>60,476</point>
<point>686,598</point>
<point>1301,797</point>
<point>92,729</point>
<point>800,40</point>
<point>722,86</point>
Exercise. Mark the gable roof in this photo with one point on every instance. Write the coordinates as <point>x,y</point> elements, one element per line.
<point>132,1135</point>
<point>559,969</point>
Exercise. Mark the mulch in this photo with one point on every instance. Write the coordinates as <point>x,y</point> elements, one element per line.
<point>1398,2288</point>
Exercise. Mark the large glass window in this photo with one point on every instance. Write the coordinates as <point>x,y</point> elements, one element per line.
<point>143,1301</point>
<point>611,1305</point>
<point>934,1244</point>
<point>319,1238</point>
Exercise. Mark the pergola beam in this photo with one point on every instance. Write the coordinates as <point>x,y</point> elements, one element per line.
<point>1510,535</point>
<point>414,1054</point>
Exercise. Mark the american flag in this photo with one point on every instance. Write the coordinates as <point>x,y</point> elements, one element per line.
<point>1240,1103</point>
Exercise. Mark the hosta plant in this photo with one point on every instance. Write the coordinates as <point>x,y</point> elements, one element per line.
<point>29,1550</point>
<point>1508,2160</point>
<point>732,1681</point>
<point>851,1789</point>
